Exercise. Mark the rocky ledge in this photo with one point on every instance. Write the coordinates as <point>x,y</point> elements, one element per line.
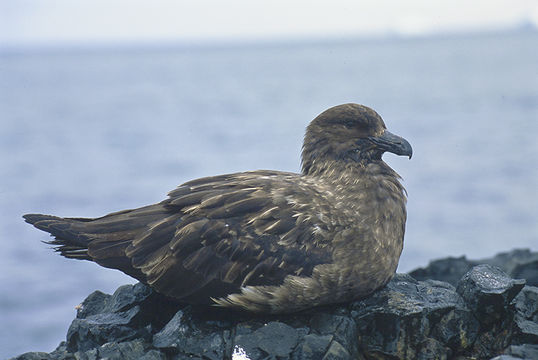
<point>485,313</point>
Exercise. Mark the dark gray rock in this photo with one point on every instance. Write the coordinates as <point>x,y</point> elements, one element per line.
<point>126,315</point>
<point>33,356</point>
<point>187,335</point>
<point>525,351</point>
<point>135,349</point>
<point>337,352</point>
<point>273,340</point>
<point>312,347</point>
<point>339,325</point>
<point>127,297</point>
<point>519,264</point>
<point>154,355</point>
<point>123,350</point>
<point>527,271</point>
<point>95,303</point>
<point>224,333</point>
<point>95,330</point>
<point>527,303</point>
<point>526,318</point>
<point>526,331</point>
<point>124,298</point>
<point>431,349</point>
<point>488,291</point>
<point>449,270</point>
<point>409,319</point>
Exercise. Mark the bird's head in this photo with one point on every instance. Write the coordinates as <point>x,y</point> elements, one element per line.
<point>349,133</point>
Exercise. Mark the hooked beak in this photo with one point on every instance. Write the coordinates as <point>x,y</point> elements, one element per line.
<point>392,143</point>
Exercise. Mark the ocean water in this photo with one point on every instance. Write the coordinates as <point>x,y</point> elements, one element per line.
<point>89,131</point>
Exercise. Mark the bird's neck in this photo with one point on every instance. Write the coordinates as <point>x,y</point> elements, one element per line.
<point>349,173</point>
<point>373,182</point>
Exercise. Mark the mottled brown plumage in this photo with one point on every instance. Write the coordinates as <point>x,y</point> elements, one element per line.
<point>265,241</point>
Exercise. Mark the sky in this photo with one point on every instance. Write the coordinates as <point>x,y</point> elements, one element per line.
<point>28,22</point>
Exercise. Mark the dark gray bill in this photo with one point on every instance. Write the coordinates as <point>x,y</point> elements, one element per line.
<point>392,143</point>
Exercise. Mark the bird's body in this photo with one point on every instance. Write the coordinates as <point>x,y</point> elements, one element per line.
<point>265,241</point>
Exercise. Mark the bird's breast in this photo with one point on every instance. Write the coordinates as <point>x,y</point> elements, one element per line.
<point>369,219</point>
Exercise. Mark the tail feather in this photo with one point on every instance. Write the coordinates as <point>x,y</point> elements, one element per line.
<point>67,242</point>
<point>96,239</point>
<point>102,240</point>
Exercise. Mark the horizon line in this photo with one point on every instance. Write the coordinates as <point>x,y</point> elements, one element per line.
<point>224,42</point>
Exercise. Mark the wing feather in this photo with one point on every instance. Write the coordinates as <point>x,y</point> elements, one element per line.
<point>227,232</point>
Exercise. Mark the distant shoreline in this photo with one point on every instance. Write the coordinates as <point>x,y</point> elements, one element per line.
<point>237,44</point>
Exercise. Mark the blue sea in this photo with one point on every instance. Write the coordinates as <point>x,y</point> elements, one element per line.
<point>88,131</point>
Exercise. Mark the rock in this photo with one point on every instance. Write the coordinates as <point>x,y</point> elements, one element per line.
<point>488,291</point>
<point>135,349</point>
<point>123,350</point>
<point>313,347</point>
<point>519,264</point>
<point>85,334</point>
<point>516,263</point>
<point>526,351</point>
<point>340,326</point>
<point>431,349</point>
<point>526,331</point>
<point>450,270</point>
<point>483,317</point>
<point>410,319</point>
<point>125,315</point>
<point>337,352</point>
<point>274,340</point>
<point>33,356</point>
<point>187,335</point>
<point>527,303</point>
<point>526,319</point>
<point>527,271</point>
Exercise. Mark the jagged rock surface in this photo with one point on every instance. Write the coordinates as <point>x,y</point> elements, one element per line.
<point>487,314</point>
<point>518,264</point>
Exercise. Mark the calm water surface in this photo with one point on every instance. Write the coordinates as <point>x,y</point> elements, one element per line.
<point>87,132</point>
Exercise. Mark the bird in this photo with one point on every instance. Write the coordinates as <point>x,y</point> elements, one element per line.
<point>264,241</point>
